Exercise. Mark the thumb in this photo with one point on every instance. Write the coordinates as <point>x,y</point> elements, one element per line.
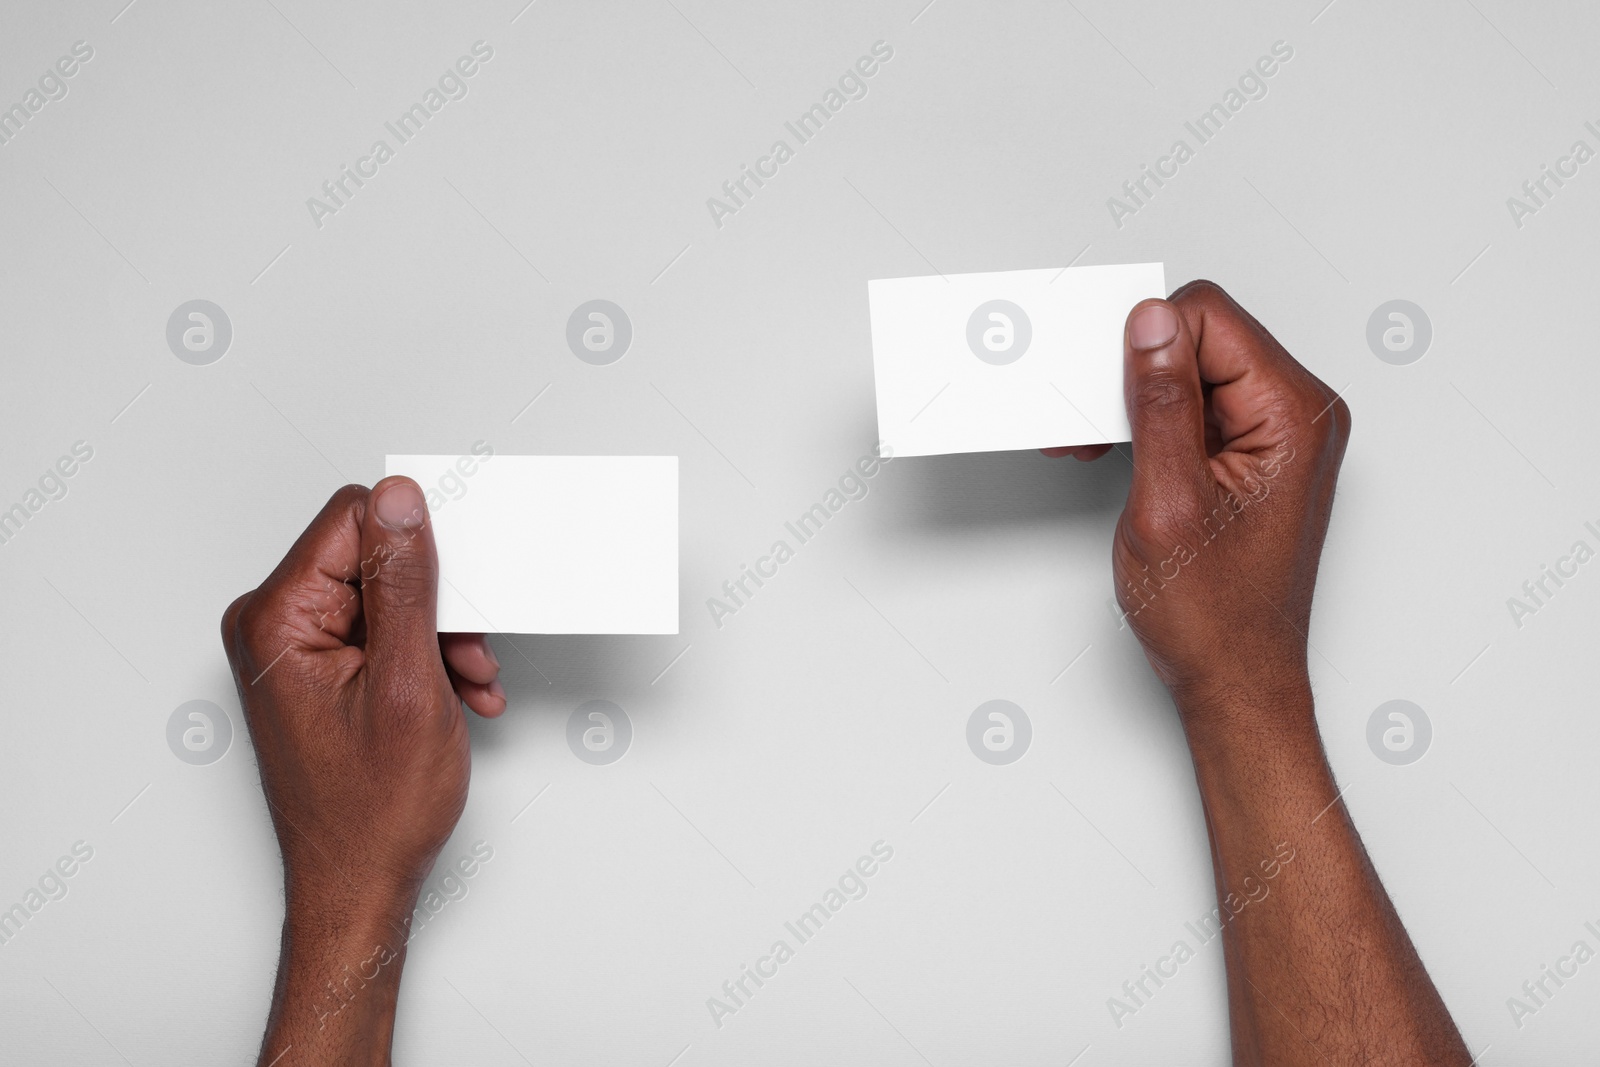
<point>1161,382</point>
<point>399,573</point>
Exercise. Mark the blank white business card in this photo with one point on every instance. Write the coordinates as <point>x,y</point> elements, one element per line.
<point>552,544</point>
<point>1005,360</point>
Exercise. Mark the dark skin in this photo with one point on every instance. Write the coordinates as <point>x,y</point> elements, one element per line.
<point>355,707</point>
<point>354,704</point>
<point>1236,451</point>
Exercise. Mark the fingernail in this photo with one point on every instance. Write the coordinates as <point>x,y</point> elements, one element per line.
<point>494,659</point>
<point>1153,326</point>
<point>497,690</point>
<point>400,507</point>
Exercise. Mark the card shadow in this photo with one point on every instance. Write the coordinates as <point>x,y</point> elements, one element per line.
<point>970,493</point>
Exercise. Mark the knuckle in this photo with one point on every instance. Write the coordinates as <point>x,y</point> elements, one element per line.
<point>1301,398</point>
<point>230,621</point>
<point>1328,436</point>
<point>1151,527</point>
<point>1344,422</point>
<point>401,579</point>
<point>255,627</point>
<point>1160,392</point>
<point>1303,381</point>
<point>1199,286</point>
<point>1202,291</point>
<point>1142,527</point>
<point>349,494</point>
<point>1325,416</point>
<point>1312,405</point>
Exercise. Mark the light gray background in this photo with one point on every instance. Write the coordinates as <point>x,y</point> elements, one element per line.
<point>830,712</point>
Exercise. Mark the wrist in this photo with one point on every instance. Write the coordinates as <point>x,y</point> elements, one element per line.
<point>338,943</point>
<point>336,910</point>
<point>1221,707</point>
<point>1268,720</point>
<point>344,935</point>
<point>339,976</point>
<point>1258,756</point>
<point>347,929</point>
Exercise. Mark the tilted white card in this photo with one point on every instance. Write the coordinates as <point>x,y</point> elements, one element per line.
<point>552,544</point>
<point>1005,360</point>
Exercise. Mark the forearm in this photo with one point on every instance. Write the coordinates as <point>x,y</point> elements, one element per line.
<point>338,981</point>
<point>1320,968</point>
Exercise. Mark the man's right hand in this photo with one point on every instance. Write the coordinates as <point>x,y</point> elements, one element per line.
<point>1236,449</point>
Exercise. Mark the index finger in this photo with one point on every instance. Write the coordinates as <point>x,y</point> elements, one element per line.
<point>1254,380</point>
<point>308,590</point>
<point>1231,343</point>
